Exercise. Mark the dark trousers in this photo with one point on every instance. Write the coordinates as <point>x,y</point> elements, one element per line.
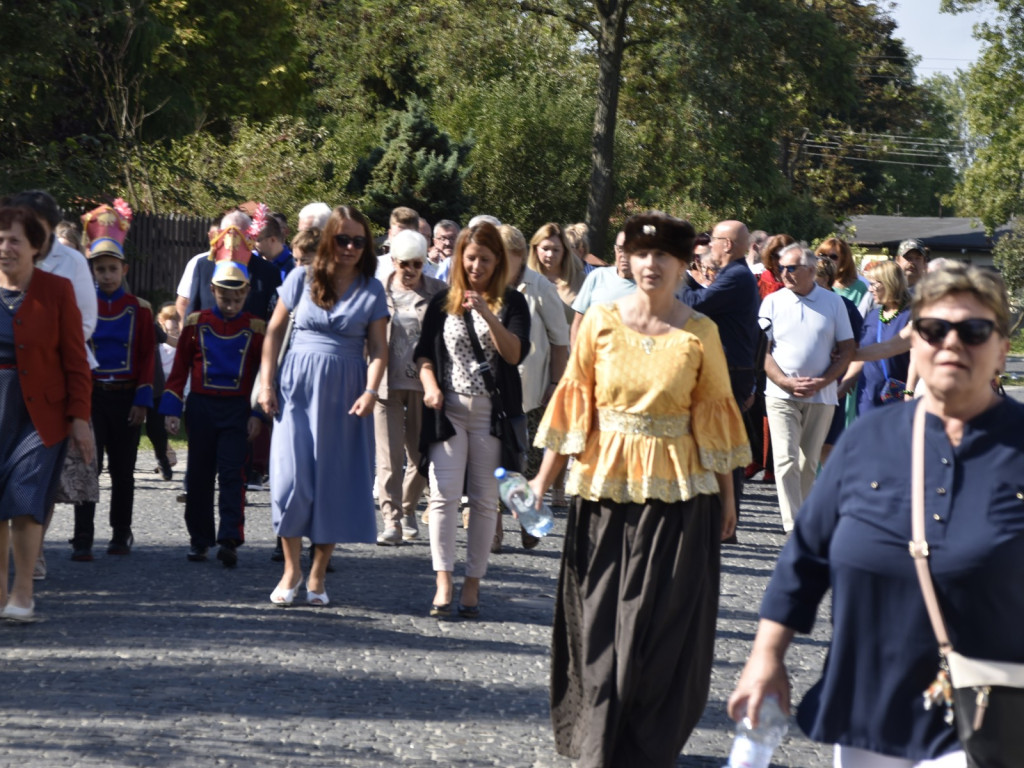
<point>120,441</point>
<point>217,439</point>
<point>157,434</point>
<point>742,385</point>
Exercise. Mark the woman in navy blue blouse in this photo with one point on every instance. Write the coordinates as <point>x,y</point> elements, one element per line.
<point>851,536</point>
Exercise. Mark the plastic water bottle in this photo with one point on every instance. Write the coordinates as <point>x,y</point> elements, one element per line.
<point>518,496</point>
<point>753,747</point>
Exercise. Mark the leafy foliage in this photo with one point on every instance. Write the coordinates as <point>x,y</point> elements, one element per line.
<point>416,165</point>
<point>1008,256</point>
<point>766,110</point>
<point>993,185</point>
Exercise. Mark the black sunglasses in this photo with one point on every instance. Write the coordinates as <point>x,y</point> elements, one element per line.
<point>344,241</point>
<point>411,264</point>
<point>972,331</point>
<point>791,268</point>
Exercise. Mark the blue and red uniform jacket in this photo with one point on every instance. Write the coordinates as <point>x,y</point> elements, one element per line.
<point>124,343</point>
<point>221,356</point>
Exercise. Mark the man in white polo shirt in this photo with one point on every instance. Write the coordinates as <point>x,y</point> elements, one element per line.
<point>812,343</point>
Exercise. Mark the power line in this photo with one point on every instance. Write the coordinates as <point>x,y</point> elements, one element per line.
<point>874,160</point>
<point>895,137</point>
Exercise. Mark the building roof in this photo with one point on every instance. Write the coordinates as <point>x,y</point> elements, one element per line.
<point>950,234</point>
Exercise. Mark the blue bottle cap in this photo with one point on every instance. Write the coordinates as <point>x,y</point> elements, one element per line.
<point>500,473</point>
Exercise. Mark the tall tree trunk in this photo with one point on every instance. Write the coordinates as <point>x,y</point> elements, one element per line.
<point>610,47</point>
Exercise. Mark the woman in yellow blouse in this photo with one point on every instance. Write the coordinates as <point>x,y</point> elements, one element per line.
<point>646,408</point>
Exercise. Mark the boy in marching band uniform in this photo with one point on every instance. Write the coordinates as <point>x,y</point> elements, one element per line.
<point>218,354</point>
<point>124,344</point>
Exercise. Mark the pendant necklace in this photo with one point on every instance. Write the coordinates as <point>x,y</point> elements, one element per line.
<point>11,297</point>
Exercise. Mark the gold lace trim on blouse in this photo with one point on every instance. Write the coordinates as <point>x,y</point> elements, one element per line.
<point>625,491</point>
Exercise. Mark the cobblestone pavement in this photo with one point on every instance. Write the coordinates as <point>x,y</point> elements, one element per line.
<point>150,660</point>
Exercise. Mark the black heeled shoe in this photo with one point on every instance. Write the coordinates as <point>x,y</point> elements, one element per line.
<point>441,611</point>
<point>469,611</point>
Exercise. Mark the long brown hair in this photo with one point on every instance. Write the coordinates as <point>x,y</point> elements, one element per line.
<point>321,288</point>
<point>484,234</point>
<point>846,269</point>
<point>770,252</point>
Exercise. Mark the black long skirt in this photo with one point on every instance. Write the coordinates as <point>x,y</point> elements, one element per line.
<point>634,630</point>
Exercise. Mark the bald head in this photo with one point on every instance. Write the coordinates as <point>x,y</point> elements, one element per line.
<point>729,242</point>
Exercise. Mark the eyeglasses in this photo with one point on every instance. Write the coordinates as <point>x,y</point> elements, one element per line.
<point>790,269</point>
<point>445,238</point>
<point>972,331</point>
<point>833,256</point>
<point>344,241</point>
<point>412,264</point>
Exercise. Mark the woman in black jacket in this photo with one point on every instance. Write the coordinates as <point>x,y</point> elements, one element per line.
<point>456,440</point>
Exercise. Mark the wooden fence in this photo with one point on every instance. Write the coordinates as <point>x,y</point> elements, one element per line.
<point>158,247</point>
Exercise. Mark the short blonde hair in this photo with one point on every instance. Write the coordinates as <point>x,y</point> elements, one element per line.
<point>307,241</point>
<point>985,285</point>
<point>578,236</point>
<point>405,217</point>
<point>513,240</point>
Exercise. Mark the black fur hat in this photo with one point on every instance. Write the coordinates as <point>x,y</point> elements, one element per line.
<point>659,231</point>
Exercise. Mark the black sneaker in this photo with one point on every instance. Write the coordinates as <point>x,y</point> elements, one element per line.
<point>81,553</point>
<point>529,541</point>
<point>228,555</point>
<point>197,554</point>
<point>278,556</point>
<point>121,545</point>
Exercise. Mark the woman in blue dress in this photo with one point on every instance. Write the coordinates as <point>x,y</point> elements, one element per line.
<point>321,480</point>
<point>887,318</point>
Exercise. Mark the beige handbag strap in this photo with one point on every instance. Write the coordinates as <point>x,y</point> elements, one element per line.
<point>918,544</point>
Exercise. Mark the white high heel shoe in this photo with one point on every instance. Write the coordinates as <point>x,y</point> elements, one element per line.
<point>285,597</point>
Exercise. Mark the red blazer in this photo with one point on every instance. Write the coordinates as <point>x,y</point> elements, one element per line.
<point>56,383</point>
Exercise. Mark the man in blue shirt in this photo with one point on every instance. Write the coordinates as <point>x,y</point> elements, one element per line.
<point>732,301</point>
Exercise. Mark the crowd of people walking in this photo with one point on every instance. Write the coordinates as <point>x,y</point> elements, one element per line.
<point>360,373</point>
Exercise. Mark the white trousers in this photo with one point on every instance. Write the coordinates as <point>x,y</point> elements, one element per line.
<point>851,757</point>
<point>798,431</point>
<point>468,457</point>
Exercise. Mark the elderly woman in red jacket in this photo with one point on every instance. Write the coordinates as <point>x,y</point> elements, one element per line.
<point>45,389</point>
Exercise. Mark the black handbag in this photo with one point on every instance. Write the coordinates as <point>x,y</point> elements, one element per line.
<point>984,698</point>
<point>510,430</point>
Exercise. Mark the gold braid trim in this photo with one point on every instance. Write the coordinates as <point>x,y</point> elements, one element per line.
<point>624,491</point>
<point>724,462</point>
<point>671,426</point>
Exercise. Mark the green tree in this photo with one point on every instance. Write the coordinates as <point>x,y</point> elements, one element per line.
<point>608,30</point>
<point>416,165</point>
<point>886,150</point>
<point>993,184</point>
<point>283,162</point>
<point>529,162</point>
